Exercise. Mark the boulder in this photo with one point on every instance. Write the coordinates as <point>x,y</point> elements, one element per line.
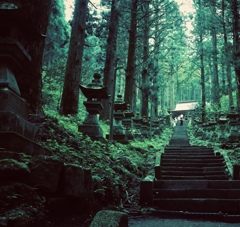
<point>76,184</point>
<point>12,170</point>
<point>20,157</point>
<point>45,173</point>
<point>76,181</point>
<point>110,218</point>
<point>20,205</point>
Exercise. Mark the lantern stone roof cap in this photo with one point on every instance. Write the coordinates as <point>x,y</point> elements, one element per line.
<point>95,89</point>
<point>20,18</point>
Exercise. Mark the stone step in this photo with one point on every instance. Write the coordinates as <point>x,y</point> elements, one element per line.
<point>193,164</point>
<point>197,184</point>
<point>190,156</point>
<point>192,173</point>
<point>197,193</point>
<point>193,169</point>
<point>188,153</point>
<point>189,148</point>
<point>199,205</point>
<point>189,160</point>
<point>207,177</point>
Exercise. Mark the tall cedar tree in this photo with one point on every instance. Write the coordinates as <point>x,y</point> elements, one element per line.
<point>216,89</point>
<point>227,55</point>
<point>110,62</point>
<point>130,71</point>
<point>70,96</point>
<point>200,30</point>
<point>40,13</point>
<point>236,43</point>
<point>145,73</point>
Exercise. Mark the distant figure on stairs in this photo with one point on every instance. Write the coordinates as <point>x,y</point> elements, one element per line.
<point>181,121</point>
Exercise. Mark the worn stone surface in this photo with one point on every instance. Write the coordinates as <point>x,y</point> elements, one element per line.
<point>7,79</point>
<point>20,157</point>
<point>109,218</point>
<point>20,205</point>
<point>11,102</point>
<point>45,173</point>
<point>10,122</point>
<point>11,169</point>
<point>75,181</point>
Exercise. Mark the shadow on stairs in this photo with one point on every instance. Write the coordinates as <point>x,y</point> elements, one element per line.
<point>191,182</point>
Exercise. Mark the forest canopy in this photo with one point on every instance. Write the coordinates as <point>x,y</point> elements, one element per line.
<point>157,52</point>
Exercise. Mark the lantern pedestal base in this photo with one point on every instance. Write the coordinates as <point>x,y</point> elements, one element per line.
<point>120,138</point>
<point>91,127</point>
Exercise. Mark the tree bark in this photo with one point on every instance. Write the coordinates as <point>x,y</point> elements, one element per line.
<point>70,95</point>
<point>227,58</point>
<point>40,13</point>
<point>215,88</point>
<point>130,71</point>
<point>145,74</point>
<point>110,62</point>
<point>236,44</point>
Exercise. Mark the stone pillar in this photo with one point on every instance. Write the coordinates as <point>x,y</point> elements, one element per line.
<point>234,136</point>
<point>119,132</point>
<point>127,122</point>
<point>137,125</point>
<point>222,128</point>
<point>17,32</point>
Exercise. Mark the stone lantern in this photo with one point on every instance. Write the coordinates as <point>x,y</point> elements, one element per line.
<point>145,126</point>
<point>94,92</point>
<point>127,122</point>
<point>222,122</point>
<point>119,133</point>
<point>137,125</point>
<point>17,32</point>
<point>233,117</point>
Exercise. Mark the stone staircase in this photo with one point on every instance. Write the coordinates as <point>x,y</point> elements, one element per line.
<point>192,181</point>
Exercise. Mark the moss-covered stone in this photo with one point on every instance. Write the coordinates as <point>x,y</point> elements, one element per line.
<point>110,218</point>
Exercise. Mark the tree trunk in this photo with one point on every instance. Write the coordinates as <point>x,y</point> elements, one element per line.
<point>70,95</point>
<point>130,71</point>
<point>145,74</point>
<point>110,62</point>
<point>236,44</point>
<point>202,79</point>
<point>215,87</point>
<point>227,58</point>
<point>40,14</point>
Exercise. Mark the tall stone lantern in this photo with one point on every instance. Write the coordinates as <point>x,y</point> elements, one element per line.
<point>17,32</point>
<point>119,132</point>
<point>127,122</point>
<point>233,117</point>
<point>94,92</point>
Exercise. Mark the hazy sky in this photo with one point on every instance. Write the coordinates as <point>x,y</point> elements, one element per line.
<point>185,6</point>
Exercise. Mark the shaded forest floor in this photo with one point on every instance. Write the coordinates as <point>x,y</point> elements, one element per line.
<point>117,169</point>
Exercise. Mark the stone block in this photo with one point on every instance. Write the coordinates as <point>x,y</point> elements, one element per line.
<point>11,102</point>
<point>45,173</point>
<point>7,79</point>
<point>16,142</point>
<point>157,170</point>
<point>76,182</point>
<point>146,191</point>
<point>109,218</point>
<point>12,170</point>
<point>10,122</point>
<point>236,172</point>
